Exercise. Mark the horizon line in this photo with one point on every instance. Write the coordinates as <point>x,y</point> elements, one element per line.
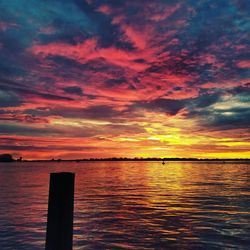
<point>135,159</point>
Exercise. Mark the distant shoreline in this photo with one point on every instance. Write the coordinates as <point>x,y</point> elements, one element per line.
<point>138,159</point>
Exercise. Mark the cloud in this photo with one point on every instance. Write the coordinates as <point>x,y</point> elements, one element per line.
<point>9,99</point>
<point>149,65</point>
<point>171,107</point>
<point>244,64</point>
<point>73,90</point>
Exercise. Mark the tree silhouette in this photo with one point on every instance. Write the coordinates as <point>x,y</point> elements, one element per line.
<point>6,158</point>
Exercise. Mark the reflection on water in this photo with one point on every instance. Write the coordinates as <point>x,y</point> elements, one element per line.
<point>131,205</point>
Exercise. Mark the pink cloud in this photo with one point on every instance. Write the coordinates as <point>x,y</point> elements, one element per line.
<point>78,52</point>
<point>105,9</point>
<point>164,13</point>
<point>139,38</point>
<point>245,64</point>
<point>88,50</point>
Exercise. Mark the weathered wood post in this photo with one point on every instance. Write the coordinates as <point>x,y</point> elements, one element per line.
<point>59,235</point>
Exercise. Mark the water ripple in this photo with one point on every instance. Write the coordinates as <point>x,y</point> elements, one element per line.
<point>132,205</point>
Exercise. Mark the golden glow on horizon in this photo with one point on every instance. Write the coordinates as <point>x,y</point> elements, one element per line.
<point>163,137</point>
<point>229,155</point>
<point>234,144</point>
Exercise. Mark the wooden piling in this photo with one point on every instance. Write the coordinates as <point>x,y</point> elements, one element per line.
<point>59,235</point>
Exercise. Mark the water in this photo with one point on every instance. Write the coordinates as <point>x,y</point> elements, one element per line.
<point>132,205</point>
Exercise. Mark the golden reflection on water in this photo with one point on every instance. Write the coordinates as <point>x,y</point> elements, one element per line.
<point>131,205</point>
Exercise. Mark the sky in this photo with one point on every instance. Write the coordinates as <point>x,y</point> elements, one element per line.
<point>123,78</point>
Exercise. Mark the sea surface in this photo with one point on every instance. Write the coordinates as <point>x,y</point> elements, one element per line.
<point>131,205</point>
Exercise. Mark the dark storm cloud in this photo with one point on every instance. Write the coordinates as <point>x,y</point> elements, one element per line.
<point>95,112</point>
<point>232,114</point>
<point>9,99</point>
<point>206,100</point>
<point>241,90</point>
<point>34,148</point>
<point>171,107</point>
<point>101,112</point>
<point>113,82</point>
<point>16,88</point>
<point>14,128</point>
<point>33,93</point>
<point>240,118</point>
<point>73,90</point>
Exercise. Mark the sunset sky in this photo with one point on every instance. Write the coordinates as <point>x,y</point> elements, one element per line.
<point>123,78</point>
